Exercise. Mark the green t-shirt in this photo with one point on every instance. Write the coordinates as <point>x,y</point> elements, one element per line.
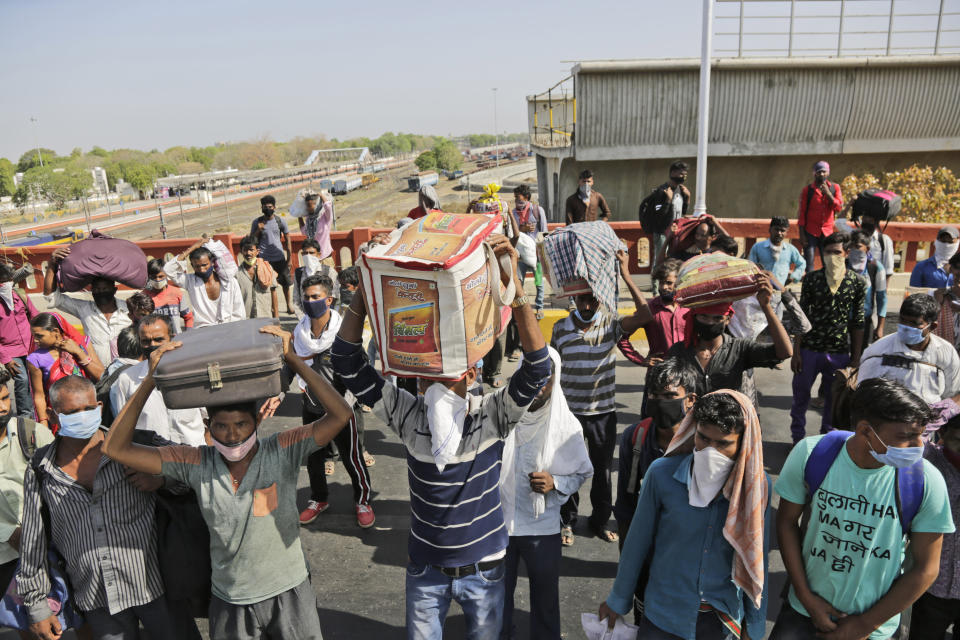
<point>854,545</point>
<point>254,533</point>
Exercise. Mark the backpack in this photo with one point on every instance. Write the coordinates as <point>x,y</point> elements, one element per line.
<point>27,436</point>
<point>636,443</point>
<point>103,387</point>
<point>845,383</point>
<point>909,480</point>
<point>810,190</point>
<point>648,213</point>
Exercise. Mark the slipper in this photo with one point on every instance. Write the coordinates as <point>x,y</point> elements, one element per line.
<point>328,467</point>
<point>513,357</point>
<point>368,459</point>
<point>540,315</point>
<point>566,536</point>
<point>365,409</point>
<point>496,384</point>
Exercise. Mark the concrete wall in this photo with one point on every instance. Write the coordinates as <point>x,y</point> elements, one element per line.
<point>738,187</point>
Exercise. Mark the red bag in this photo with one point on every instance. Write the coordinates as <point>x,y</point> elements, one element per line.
<point>105,257</point>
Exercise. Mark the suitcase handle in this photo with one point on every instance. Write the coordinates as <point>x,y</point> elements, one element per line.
<point>494,269</point>
<point>213,375</point>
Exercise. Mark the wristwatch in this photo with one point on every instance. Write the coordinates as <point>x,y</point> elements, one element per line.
<point>519,301</point>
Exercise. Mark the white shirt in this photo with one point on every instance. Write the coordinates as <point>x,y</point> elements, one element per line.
<point>677,204</point>
<point>183,426</point>
<point>226,308</point>
<point>96,326</point>
<point>883,255</point>
<point>932,383</point>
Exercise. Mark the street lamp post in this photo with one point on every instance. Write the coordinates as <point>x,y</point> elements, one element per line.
<point>183,225</point>
<point>703,112</point>
<point>496,129</point>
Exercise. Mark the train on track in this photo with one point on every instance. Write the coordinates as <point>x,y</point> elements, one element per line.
<point>58,236</point>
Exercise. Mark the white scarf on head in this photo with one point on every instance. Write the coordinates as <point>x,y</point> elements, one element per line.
<point>556,434</point>
<point>943,251</point>
<point>6,294</point>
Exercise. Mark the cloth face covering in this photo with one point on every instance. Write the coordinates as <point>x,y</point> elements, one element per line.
<point>446,412</point>
<point>315,308</point>
<point>311,265</point>
<point>666,412</point>
<point>81,425</point>
<point>858,260</point>
<point>237,451</point>
<point>157,285</point>
<point>6,293</point>
<point>943,251</point>
<point>205,275</point>
<point>709,473</point>
<point>834,265</point>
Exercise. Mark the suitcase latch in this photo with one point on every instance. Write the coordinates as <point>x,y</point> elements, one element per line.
<point>213,375</point>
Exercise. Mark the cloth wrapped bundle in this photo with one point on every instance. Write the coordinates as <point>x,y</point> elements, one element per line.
<point>100,256</point>
<point>713,278</point>
<point>582,258</point>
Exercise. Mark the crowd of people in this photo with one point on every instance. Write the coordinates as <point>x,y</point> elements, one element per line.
<point>92,456</point>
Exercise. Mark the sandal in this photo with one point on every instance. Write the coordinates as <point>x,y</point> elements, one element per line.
<point>368,459</point>
<point>607,536</point>
<point>566,536</point>
<point>496,383</point>
<point>329,467</point>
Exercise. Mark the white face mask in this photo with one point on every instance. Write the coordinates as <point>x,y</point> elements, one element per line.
<point>311,265</point>
<point>710,471</point>
<point>6,293</point>
<point>943,251</point>
<point>446,412</point>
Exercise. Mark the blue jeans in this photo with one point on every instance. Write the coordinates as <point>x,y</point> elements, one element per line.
<point>814,363</point>
<point>709,627</point>
<point>429,592</point>
<point>522,271</point>
<point>541,556</point>
<point>21,390</point>
<point>813,242</point>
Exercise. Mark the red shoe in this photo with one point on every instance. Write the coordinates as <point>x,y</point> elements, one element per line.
<point>365,517</point>
<point>313,510</point>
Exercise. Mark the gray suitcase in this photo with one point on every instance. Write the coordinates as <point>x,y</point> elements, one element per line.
<point>221,364</point>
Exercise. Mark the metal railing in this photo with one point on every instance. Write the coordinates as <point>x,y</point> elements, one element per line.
<point>555,115</point>
<point>836,27</point>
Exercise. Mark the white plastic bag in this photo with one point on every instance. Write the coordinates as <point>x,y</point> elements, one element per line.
<point>596,629</point>
<point>226,265</point>
<point>298,208</point>
<point>527,248</point>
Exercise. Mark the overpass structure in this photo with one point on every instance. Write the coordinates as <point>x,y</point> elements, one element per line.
<point>770,119</point>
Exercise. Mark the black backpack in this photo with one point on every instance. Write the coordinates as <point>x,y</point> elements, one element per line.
<point>648,211</point>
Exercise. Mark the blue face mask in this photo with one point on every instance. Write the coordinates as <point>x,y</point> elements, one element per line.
<point>897,457</point>
<point>80,425</point>
<point>909,335</point>
<point>315,308</point>
<point>592,320</point>
<point>205,275</point>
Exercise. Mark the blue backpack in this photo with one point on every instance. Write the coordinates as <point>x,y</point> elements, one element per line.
<point>909,482</point>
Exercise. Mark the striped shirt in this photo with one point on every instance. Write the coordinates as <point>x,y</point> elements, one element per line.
<point>107,538</point>
<point>455,514</point>
<point>588,374</point>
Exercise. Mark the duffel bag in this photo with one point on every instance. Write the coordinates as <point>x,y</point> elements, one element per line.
<point>100,256</point>
<point>221,364</point>
<point>712,278</point>
<point>879,204</point>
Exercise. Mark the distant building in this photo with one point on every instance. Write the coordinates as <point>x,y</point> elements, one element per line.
<point>100,182</point>
<point>17,178</point>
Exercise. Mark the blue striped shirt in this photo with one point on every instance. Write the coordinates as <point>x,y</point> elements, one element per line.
<point>455,514</point>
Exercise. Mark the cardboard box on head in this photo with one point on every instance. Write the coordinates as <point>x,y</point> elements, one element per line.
<point>434,295</point>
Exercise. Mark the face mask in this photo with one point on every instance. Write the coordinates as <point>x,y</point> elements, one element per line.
<point>678,179</point>
<point>666,412</point>
<point>858,260</point>
<point>585,190</point>
<point>943,251</point>
<point>205,275</point>
<point>706,331</point>
<point>315,308</point>
<point>909,335</point>
<point>667,296</point>
<point>267,212</point>
<point>710,471</point>
<point>102,297</point>
<point>868,227</point>
<point>157,285</point>
<point>81,425</point>
<point>237,451</point>
<point>591,320</point>
<point>148,350</point>
<point>6,292</point>
<point>836,267</point>
<point>446,412</point>
<point>820,179</point>
<point>311,264</point>
<point>249,260</point>
<point>897,457</point>
<point>346,297</point>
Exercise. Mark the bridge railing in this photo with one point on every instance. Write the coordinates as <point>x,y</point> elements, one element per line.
<point>908,238</point>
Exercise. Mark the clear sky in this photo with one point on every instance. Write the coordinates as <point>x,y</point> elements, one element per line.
<point>158,74</point>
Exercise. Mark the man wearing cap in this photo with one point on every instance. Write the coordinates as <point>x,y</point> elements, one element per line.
<point>819,203</point>
<point>933,273</point>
